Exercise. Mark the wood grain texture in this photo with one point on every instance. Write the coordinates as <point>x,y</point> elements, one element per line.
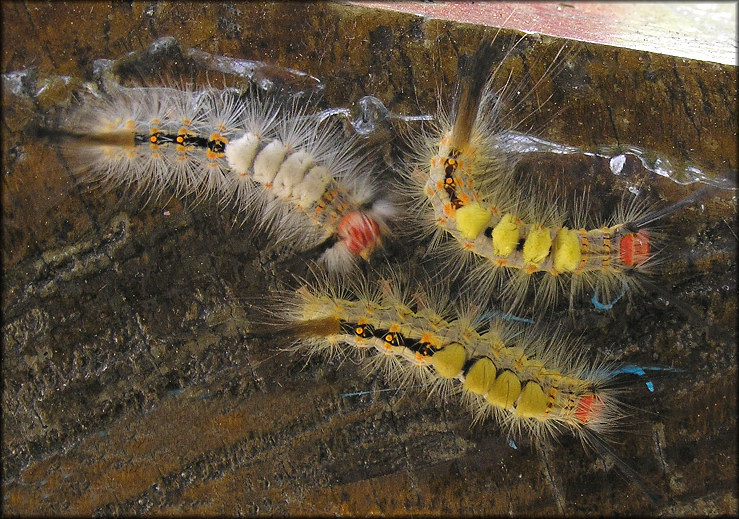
<point>130,384</point>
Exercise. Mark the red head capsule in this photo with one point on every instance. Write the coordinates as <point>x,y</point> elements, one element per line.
<point>634,248</point>
<point>588,407</point>
<point>359,232</point>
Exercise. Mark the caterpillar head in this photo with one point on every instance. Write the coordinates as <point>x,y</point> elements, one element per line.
<point>589,409</point>
<point>359,233</point>
<point>634,248</point>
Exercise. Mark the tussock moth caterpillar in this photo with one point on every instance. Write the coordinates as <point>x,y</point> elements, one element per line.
<point>533,383</point>
<point>301,179</point>
<point>466,193</point>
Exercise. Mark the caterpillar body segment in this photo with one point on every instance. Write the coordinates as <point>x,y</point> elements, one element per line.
<point>529,382</point>
<point>302,180</point>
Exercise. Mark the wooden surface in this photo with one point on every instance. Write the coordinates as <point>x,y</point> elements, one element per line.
<point>705,31</point>
<point>130,384</point>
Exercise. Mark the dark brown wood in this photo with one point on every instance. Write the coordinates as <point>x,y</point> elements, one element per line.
<point>130,384</point>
